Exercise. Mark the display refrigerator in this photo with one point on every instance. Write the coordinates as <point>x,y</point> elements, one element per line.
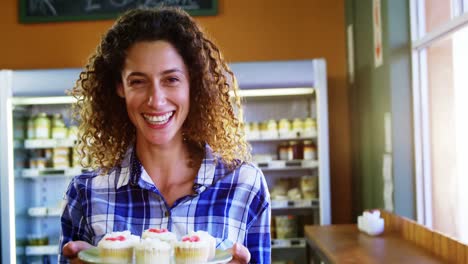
<point>36,161</point>
<point>286,119</point>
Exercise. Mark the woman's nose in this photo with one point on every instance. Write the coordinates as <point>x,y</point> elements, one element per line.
<point>156,96</point>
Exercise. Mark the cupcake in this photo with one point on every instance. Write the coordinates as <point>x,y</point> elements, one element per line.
<point>161,234</point>
<point>152,250</point>
<point>209,239</point>
<point>117,247</point>
<point>191,250</point>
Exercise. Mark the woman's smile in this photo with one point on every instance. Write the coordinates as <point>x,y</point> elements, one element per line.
<point>158,119</point>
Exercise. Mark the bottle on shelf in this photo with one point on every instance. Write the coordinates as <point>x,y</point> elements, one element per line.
<point>284,128</point>
<point>286,226</point>
<point>308,185</point>
<point>59,131</point>
<point>309,150</point>
<point>310,127</point>
<point>297,127</point>
<point>297,149</point>
<point>285,151</point>
<point>42,126</point>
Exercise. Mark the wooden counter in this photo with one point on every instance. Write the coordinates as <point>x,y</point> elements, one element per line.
<point>346,244</point>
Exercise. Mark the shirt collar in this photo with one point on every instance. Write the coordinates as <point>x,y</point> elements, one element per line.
<point>131,170</point>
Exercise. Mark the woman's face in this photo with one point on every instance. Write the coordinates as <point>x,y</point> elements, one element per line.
<point>155,85</point>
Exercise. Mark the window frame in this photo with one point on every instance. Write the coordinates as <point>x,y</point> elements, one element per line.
<point>421,119</point>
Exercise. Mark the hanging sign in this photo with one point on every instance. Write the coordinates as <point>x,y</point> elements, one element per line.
<point>377,27</point>
<point>33,11</point>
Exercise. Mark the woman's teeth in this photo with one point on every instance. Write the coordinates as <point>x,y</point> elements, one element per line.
<point>158,120</point>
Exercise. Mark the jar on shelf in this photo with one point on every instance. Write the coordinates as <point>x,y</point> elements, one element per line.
<point>59,131</point>
<point>254,130</point>
<point>285,151</point>
<point>57,120</point>
<point>297,151</point>
<point>310,127</point>
<point>40,163</point>
<point>297,127</point>
<point>294,194</point>
<point>42,126</point>
<point>308,185</point>
<point>281,186</point>
<point>33,163</point>
<point>284,128</point>
<point>286,226</point>
<point>309,150</point>
<point>270,129</point>
<point>61,157</point>
<point>37,240</point>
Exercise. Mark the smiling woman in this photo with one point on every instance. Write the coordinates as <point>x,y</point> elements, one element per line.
<point>159,129</point>
<point>155,85</point>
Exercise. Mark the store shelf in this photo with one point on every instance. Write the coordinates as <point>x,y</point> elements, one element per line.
<point>294,204</point>
<point>50,172</point>
<point>276,92</point>
<point>43,100</point>
<point>297,207</point>
<point>280,139</point>
<point>278,165</point>
<point>48,143</point>
<point>288,243</point>
<point>41,212</point>
<point>295,168</point>
<point>41,250</point>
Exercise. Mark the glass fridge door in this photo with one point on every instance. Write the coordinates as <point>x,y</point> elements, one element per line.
<point>36,161</point>
<point>43,162</point>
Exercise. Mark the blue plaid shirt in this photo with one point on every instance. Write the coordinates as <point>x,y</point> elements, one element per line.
<point>232,205</point>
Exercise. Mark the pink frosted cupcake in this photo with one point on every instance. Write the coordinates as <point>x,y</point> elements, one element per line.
<point>209,239</point>
<point>191,250</point>
<point>117,247</point>
<point>161,234</point>
<point>153,250</point>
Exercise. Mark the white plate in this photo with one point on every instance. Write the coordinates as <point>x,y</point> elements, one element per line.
<point>92,256</point>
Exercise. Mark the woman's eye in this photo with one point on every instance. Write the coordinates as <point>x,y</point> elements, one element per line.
<point>136,82</point>
<point>172,80</point>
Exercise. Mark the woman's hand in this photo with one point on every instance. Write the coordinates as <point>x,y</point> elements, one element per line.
<point>72,248</point>
<point>240,254</point>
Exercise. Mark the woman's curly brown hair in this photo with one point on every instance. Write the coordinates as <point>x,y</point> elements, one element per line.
<point>105,130</point>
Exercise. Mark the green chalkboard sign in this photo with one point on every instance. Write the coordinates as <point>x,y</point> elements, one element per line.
<point>36,11</point>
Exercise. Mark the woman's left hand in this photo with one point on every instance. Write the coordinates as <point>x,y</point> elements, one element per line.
<point>240,254</point>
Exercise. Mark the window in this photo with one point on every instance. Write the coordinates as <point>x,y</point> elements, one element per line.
<point>440,94</point>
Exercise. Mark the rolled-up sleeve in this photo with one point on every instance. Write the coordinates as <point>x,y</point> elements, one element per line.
<point>73,221</point>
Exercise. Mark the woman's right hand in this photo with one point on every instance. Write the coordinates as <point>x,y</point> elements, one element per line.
<point>72,248</point>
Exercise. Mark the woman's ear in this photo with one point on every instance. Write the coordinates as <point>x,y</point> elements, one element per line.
<point>120,90</point>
